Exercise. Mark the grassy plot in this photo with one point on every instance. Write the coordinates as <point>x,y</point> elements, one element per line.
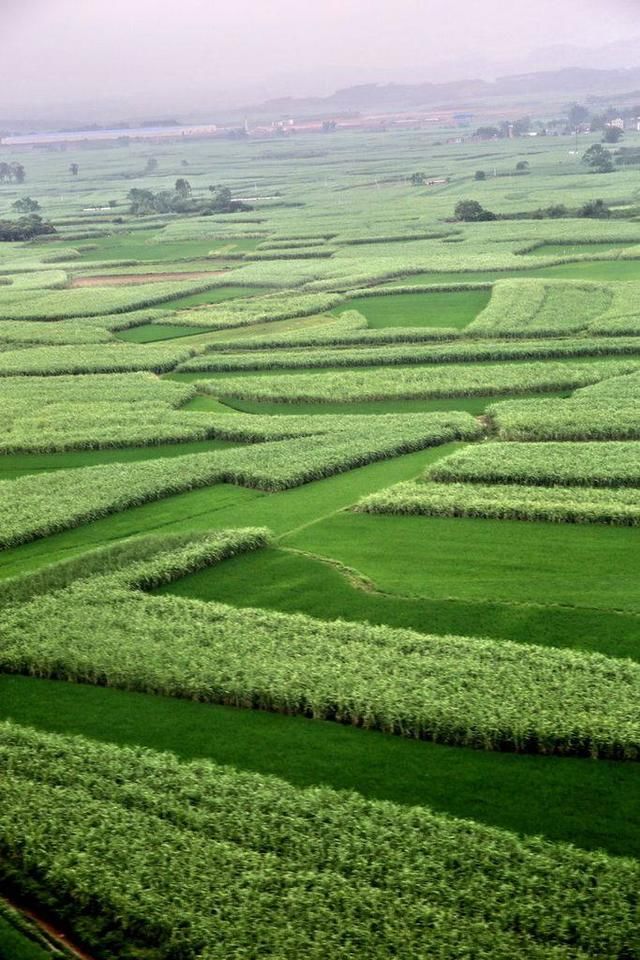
<point>589,804</point>
<point>442,309</point>
<point>16,946</point>
<point>480,560</point>
<point>149,332</point>
<point>141,245</point>
<point>215,295</point>
<point>281,579</point>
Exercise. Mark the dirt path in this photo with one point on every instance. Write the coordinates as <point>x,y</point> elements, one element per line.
<point>51,932</point>
<point>130,279</point>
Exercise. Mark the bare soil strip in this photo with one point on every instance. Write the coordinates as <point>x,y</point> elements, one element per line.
<point>51,931</point>
<point>130,279</point>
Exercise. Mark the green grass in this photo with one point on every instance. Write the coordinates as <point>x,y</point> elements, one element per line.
<point>16,946</point>
<point>16,464</point>
<point>139,245</point>
<point>441,309</point>
<point>223,506</point>
<point>214,295</point>
<point>279,579</point>
<point>474,405</point>
<point>151,332</point>
<point>479,560</point>
<point>591,804</point>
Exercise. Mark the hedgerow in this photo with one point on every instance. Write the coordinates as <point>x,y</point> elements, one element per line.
<point>195,859</point>
<point>598,464</point>
<point>452,381</point>
<point>35,506</point>
<point>512,502</point>
<point>523,699</point>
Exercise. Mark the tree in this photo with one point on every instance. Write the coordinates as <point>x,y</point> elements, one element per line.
<point>328,126</point>
<point>471,211</point>
<point>598,158</point>
<point>26,205</point>
<point>418,179</point>
<point>595,209</point>
<point>151,165</point>
<point>487,133</point>
<point>74,169</point>
<point>577,115</point>
<point>26,228</point>
<point>184,163</point>
<point>480,175</point>
<point>18,173</point>
<point>522,166</point>
<point>612,135</point>
<point>183,188</point>
<point>5,171</point>
<point>555,211</point>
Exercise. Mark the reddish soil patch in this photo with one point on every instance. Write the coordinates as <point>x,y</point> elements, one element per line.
<point>125,279</point>
<point>52,932</point>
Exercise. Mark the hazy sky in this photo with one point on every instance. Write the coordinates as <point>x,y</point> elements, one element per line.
<point>84,50</point>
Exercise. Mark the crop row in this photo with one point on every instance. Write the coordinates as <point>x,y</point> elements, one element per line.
<point>196,860</point>
<point>522,698</point>
<point>242,313</point>
<point>577,418</point>
<point>589,464</point>
<point>89,301</point>
<point>412,353</point>
<point>541,308</point>
<point>35,506</point>
<point>92,358</point>
<point>512,502</point>
<point>431,382</point>
<point>20,333</point>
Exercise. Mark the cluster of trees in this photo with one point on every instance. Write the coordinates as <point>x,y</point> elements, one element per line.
<point>506,128</point>
<point>598,159</point>
<point>25,228</point>
<point>470,211</point>
<point>181,200</point>
<point>12,172</point>
<point>26,205</point>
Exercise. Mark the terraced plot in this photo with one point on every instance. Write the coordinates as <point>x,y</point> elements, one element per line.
<point>356,542</point>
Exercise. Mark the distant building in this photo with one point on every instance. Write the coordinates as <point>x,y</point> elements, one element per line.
<point>618,123</point>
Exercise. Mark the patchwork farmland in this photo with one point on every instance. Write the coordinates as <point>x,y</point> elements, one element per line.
<point>320,610</point>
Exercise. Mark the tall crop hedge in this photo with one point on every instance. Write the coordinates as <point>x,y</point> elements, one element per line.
<point>193,859</point>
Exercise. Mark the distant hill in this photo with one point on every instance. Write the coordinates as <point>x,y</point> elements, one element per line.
<point>568,83</point>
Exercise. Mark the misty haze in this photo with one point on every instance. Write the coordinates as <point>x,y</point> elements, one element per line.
<point>319,480</point>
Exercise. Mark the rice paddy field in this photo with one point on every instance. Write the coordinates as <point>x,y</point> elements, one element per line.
<point>319,552</point>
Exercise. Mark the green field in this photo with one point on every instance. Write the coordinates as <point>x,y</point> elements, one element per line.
<point>455,309</point>
<point>313,690</point>
<point>150,332</point>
